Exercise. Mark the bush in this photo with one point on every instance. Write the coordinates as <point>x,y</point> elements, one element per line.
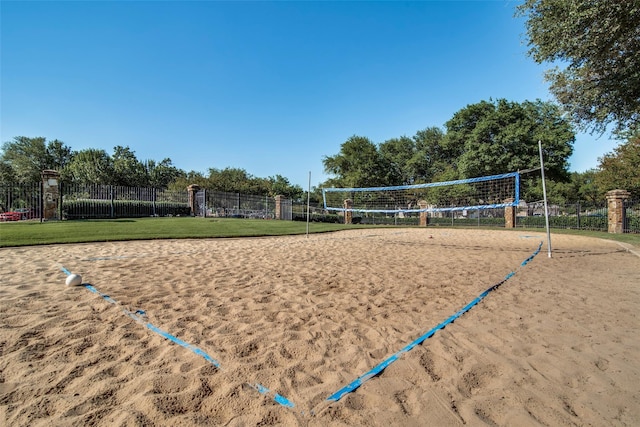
<point>96,209</point>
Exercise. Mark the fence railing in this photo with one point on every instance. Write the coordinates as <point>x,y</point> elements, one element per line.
<point>111,201</point>
<point>25,201</point>
<point>235,205</point>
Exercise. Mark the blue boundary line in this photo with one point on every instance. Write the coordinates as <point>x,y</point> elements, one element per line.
<point>385,363</point>
<point>138,317</point>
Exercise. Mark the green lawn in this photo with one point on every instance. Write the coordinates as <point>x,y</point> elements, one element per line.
<point>25,233</point>
<point>35,233</point>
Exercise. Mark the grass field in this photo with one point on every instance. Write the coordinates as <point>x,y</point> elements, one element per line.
<point>35,233</point>
<point>27,233</point>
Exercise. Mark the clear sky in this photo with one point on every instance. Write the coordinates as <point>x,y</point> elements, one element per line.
<point>269,87</point>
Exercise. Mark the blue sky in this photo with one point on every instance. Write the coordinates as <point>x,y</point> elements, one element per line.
<point>269,87</point>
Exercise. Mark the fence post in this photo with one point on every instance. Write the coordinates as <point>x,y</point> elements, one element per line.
<point>348,215</point>
<point>615,205</point>
<point>193,203</point>
<point>509,215</point>
<point>50,193</point>
<point>279,199</point>
<point>111,200</point>
<point>424,220</point>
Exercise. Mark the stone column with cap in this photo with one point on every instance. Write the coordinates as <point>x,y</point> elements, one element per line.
<point>279,199</point>
<point>509,215</point>
<point>615,205</point>
<point>348,214</point>
<point>193,202</point>
<point>50,193</point>
<point>424,219</point>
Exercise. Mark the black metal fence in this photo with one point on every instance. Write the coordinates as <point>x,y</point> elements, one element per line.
<point>111,201</point>
<point>24,201</point>
<point>235,205</point>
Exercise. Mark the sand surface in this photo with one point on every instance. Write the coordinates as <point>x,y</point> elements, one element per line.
<point>556,344</point>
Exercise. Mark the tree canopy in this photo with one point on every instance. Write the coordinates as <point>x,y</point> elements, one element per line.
<point>487,138</point>
<point>621,168</point>
<point>23,158</point>
<point>598,43</point>
<point>490,138</point>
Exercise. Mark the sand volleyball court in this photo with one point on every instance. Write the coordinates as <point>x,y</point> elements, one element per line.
<point>261,331</point>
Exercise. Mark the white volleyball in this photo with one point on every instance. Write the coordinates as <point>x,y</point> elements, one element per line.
<point>74,280</point>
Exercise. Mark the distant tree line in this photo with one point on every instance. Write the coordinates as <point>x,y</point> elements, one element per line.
<point>24,158</point>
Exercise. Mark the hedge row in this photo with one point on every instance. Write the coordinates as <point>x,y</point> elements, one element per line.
<point>95,209</point>
<point>586,222</point>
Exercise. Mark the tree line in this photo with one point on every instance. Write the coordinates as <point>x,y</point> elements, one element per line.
<point>24,158</point>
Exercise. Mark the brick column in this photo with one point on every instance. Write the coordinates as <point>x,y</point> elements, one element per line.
<point>279,200</point>
<point>424,220</point>
<point>509,215</point>
<point>348,215</point>
<point>615,204</point>
<point>193,203</point>
<point>50,194</point>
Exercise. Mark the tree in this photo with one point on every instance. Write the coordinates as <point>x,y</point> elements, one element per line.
<point>500,137</point>
<point>621,168</point>
<point>358,164</point>
<point>279,185</point>
<point>24,158</point>
<point>160,175</point>
<point>396,155</point>
<point>128,171</point>
<point>599,40</point>
<point>91,166</point>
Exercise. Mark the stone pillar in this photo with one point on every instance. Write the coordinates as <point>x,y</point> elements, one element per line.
<point>279,200</point>
<point>509,215</point>
<point>193,202</point>
<point>615,204</point>
<point>348,215</point>
<point>424,219</point>
<point>50,193</point>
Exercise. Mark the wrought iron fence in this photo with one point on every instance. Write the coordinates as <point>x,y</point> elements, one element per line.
<point>632,216</point>
<point>25,200</point>
<point>579,216</point>
<point>111,201</point>
<point>235,205</point>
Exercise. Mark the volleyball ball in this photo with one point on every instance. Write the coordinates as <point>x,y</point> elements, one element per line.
<point>74,280</point>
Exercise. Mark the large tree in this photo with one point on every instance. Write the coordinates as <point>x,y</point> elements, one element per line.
<point>490,138</point>
<point>358,164</point>
<point>160,175</point>
<point>598,44</point>
<point>24,158</point>
<point>621,168</point>
<point>128,171</point>
<point>91,166</point>
<point>419,159</point>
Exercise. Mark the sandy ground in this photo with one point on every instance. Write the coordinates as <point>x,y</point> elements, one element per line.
<point>556,344</point>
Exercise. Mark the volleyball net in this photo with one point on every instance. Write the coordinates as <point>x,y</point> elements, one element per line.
<point>488,192</point>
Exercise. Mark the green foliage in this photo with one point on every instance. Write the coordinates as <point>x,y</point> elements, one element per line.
<point>23,159</point>
<point>91,166</point>
<point>96,209</point>
<point>598,40</point>
<point>359,164</point>
<point>492,138</point>
<point>621,169</point>
<point>596,222</point>
<point>325,218</point>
